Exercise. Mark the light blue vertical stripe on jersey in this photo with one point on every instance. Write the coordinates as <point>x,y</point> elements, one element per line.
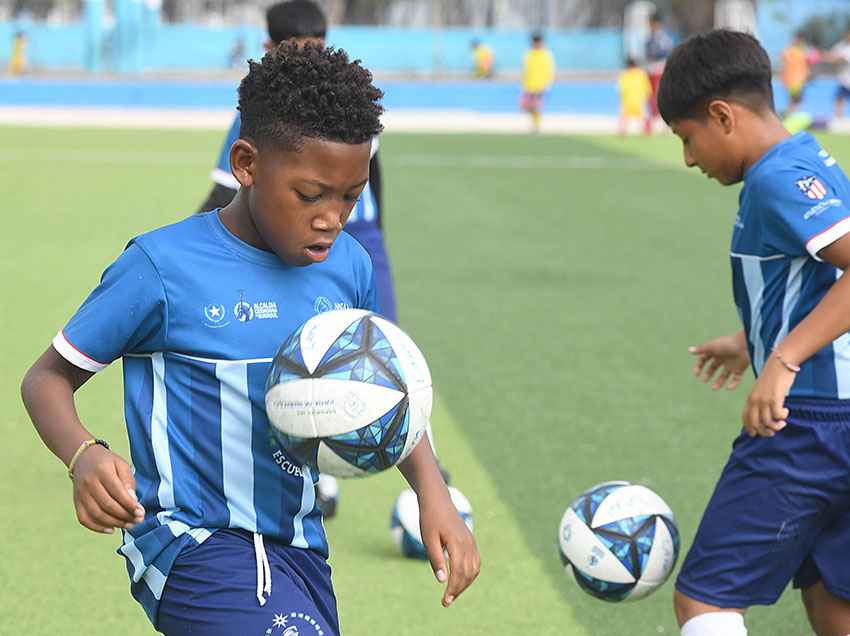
<point>308,500</point>
<point>754,282</point>
<point>159,434</point>
<point>133,555</point>
<point>841,352</point>
<point>792,295</point>
<point>237,461</point>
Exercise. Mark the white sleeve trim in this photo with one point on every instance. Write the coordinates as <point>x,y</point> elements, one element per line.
<point>827,237</point>
<point>75,356</point>
<point>225,179</point>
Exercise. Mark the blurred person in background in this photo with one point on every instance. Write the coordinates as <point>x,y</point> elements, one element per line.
<point>840,55</point>
<point>658,47</point>
<point>635,89</point>
<point>237,54</point>
<point>795,71</point>
<point>18,59</point>
<point>537,77</point>
<point>482,60</point>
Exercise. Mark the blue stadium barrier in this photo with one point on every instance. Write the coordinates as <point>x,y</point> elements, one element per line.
<point>386,49</point>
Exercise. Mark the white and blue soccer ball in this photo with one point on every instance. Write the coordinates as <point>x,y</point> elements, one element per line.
<point>404,522</point>
<point>348,394</point>
<point>620,540</point>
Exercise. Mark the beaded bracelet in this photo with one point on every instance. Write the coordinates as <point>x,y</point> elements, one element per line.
<point>83,446</point>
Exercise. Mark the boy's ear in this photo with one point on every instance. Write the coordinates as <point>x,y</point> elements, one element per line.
<point>243,162</point>
<point>721,113</point>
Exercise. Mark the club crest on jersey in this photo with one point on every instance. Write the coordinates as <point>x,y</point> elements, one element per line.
<point>812,187</point>
<point>214,315</point>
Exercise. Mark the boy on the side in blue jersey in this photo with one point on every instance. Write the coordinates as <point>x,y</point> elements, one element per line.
<point>781,508</point>
<point>220,530</point>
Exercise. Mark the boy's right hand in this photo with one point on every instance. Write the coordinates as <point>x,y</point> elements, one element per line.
<point>728,354</point>
<point>105,491</point>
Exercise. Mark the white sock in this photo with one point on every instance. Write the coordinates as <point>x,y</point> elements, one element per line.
<point>715,624</point>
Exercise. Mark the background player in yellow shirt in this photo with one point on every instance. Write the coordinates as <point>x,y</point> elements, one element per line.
<point>538,75</point>
<point>795,71</point>
<point>635,90</point>
<point>482,59</point>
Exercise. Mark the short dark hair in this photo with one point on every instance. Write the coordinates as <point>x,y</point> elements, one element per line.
<point>311,91</point>
<point>720,64</point>
<point>537,36</point>
<point>295,19</point>
<point>657,17</point>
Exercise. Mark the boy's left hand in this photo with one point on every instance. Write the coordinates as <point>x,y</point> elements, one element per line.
<point>442,528</point>
<point>764,412</point>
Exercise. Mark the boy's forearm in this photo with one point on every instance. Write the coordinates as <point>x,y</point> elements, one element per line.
<point>421,471</point>
<point>48,394</point>
<point>826,322</point>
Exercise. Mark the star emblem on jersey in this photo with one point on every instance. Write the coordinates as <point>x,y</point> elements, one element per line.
<point>812,187</point>
<point>214,312</point>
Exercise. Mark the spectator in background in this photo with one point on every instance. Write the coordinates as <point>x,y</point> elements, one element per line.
<point>482,59</point>
<point>537,76</point>
<point>635,90</point>
<point>795,71</point>
<point>18,60</point>
<point>237,53</point>
<point>840,55</point>
<point>659,45</point>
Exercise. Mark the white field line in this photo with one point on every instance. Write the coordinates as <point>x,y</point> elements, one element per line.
<point>450,121</point>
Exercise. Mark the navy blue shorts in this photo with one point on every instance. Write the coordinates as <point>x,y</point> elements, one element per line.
<point>842,92</point>
<point>212,591</point>
<point>780,511</point>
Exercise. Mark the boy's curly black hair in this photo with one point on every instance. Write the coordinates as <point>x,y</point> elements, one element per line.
<point>312,91</point>
<point>720,64</point>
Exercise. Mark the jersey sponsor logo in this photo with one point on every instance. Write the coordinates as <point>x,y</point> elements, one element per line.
<point>245,311</point>
<point>819,208</point>
<point>294,624</point>
<point>214,316</point>
<point>323,304</point>
<point>812,187</point>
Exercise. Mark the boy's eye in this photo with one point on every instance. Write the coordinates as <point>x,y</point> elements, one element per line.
<point>308,198</point>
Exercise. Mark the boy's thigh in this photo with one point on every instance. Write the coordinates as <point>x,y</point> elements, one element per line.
<point>212,591</point>
<point>827,561</point>
<point>768,513</point>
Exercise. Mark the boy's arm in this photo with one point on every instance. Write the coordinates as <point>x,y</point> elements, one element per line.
<point>826,322</point>
<point>104,487</point>
<point>440,523</point>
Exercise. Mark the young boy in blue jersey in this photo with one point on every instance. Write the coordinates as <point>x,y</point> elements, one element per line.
<point>221,534</point>
<point>781,508</point>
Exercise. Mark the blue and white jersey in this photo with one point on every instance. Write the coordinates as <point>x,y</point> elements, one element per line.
<point>365,217</point>
<point>197,315</point>
<point>793,204</point>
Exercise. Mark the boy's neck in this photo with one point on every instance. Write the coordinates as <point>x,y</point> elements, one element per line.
<point>236,217</point>
<point>765,133</point>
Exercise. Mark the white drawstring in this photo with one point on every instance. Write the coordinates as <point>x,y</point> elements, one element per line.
<point>264,571</point>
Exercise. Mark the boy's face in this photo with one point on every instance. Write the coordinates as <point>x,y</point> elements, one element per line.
<point>708,143</point>
<point>299,201</point>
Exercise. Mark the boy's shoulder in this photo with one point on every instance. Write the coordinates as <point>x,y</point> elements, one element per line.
<point>181,236</point>
<point>793,160</point>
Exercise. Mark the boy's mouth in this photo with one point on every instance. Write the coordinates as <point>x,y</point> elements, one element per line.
<point>317,252</point>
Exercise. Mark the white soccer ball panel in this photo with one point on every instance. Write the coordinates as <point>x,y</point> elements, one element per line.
<point>629,501</point>
<point>332,464</point>
<point>586,552</point>
<point>320,332</point>
<point>640,590</point>
<point>661,557</point>
<point>463,506</point>
<point>319,407</point>
<point>407,507</point>
<point>410,358</point>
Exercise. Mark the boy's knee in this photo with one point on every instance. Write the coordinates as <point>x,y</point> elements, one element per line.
<point>701,619</point>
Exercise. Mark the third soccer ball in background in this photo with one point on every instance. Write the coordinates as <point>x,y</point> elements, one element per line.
<point>620,539</point>
<point>404,523</point>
